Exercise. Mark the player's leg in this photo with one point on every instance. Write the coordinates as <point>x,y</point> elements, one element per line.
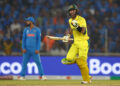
<point>82,61</point>
<point>72,53</point>
<point>82,64</point>
<point>36,58</point>
<point>26,57</point>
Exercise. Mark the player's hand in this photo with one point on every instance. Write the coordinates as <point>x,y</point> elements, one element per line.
<point>36,52</point>
<point>66,38</point>
<point>74,23</point>
<point>24,51</point>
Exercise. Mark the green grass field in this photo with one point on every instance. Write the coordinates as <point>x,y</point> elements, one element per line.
<point>58,83</point>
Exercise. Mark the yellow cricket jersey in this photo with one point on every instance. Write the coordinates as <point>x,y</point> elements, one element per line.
<point>76,34</point>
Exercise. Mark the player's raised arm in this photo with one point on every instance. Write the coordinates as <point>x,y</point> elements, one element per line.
<point>76,25</point>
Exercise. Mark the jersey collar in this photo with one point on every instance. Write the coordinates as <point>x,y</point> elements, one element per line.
<point>75,17</point>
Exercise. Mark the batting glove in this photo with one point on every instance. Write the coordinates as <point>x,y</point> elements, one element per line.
<point>66,38</point>
<point>74,23</point>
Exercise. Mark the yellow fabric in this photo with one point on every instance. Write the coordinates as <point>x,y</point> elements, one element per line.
<point>7,48</point>
<point>79,49</point>
<point>78,36</point>
<point>73,51</point>
<point>78,52</point>
<point>82,64</point>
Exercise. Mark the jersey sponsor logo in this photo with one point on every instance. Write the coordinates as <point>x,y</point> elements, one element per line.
<point>30,35</point>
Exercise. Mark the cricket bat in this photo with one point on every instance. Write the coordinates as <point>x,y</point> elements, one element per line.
<point>57,38</point>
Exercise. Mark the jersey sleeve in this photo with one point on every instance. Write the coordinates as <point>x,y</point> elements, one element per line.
<point>82,22</point>
<point>24,39</point>
<point>38,39</point>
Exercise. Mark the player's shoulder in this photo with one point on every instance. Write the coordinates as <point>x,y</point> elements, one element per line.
<point>26,28</point>
<point>37,28</point>
<point>70,19</point>
<point>77,17</point>
<point>80,17</point>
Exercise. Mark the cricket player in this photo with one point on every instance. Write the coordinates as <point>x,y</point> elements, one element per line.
<point>30,47</point>
<point>79,49</point>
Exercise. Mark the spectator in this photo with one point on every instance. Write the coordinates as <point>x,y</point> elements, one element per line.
<point>1,45</point>
<point>117,47</point>
<point>7,32</point>
<point>16,40</point>
<point>15,26</point>
<point>8,44</point>
<point>48,43</point>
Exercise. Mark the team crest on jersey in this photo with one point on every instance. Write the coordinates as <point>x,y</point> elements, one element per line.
<point>27,31</point>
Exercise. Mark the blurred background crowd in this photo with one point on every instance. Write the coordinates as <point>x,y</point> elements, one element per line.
<point>102,16</point>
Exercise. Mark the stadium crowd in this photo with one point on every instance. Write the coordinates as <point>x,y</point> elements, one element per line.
<point>103,21</point>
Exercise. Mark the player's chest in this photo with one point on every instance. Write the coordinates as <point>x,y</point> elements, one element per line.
<point>31,33</point>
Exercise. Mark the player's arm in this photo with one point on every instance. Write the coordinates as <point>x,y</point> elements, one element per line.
<point>23,41</point>
<point>38,39</point>
<point>81,27</point>
<point>70,32</point>
<point>66,38</point>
